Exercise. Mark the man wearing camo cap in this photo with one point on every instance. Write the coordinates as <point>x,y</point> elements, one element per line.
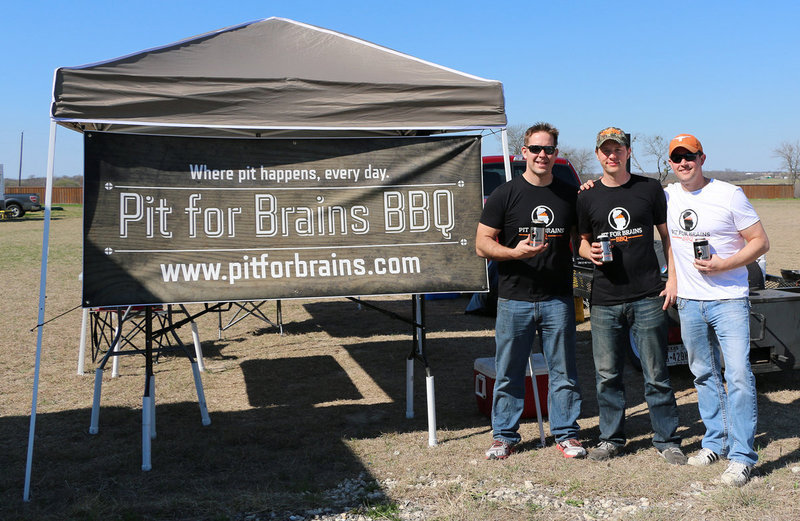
<point>629,298</point>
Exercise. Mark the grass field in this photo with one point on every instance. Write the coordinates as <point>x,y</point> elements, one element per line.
<point>296,415</point>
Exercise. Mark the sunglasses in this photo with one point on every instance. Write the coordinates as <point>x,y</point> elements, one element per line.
<point>535,149</point>
<point>677,158</point>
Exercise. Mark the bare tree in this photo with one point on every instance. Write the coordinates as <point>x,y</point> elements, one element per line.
<point>583,159</point>
<point>516,138</point>
<point>657,148</point>
<point>789,154</point>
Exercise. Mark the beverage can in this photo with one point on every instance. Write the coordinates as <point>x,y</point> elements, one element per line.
<point>537,233</point>
<point>701,249</point>
<point>605,243</point>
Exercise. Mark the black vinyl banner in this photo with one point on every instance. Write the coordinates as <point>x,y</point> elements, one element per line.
<point>187,219</point>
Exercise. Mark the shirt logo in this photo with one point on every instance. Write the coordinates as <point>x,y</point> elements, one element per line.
<point>543,213</point>
<point>619,218</point>
<point>688,220</point>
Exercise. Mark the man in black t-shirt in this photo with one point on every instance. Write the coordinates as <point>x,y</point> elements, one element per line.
<point>534,294</point>
<point>629,298</point>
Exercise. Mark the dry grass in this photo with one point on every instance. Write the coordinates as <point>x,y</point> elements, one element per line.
<point>295,415</point>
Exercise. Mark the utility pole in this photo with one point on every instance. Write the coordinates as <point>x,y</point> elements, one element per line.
<point>21,138</point>
<point>2,189</point>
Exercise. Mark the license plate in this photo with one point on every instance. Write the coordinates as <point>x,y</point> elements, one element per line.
<point>677,355</point>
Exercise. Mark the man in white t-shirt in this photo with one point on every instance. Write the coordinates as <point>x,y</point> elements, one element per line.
<point>713,303</point>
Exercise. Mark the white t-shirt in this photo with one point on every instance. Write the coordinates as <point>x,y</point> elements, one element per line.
<point>716,212</point>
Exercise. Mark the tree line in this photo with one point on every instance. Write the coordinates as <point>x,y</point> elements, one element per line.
<point>655,148</point>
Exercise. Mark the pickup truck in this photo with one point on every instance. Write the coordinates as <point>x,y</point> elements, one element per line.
<point>18,204</point>
<point>494,172</point>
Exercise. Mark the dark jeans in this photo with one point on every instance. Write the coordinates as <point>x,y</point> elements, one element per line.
<point>517,325</point>
<point>647,323</point>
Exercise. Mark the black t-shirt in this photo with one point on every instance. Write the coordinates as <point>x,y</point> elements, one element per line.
<point>510,209</point>
<point>627,213</point>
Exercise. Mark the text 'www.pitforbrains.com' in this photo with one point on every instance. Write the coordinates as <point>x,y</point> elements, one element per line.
<point>261,267</point>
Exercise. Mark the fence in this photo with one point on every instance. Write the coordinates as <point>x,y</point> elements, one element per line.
<point>74,194</point>
<point>764,191</point>
<point>61,194</point>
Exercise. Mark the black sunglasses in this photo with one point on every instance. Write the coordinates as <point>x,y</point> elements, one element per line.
<point>677,158</point>
<point>535,149</point>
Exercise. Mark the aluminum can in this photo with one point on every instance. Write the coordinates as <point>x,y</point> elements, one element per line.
<point>605,243</point>
<point>537,233</point>
<point>701,249</point>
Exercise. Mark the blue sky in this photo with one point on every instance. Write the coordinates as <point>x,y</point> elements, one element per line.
<point>726,71</point>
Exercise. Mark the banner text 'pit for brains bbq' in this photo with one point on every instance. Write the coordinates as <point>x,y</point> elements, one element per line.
<point>187,219</point>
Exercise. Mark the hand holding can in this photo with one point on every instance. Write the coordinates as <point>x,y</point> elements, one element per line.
<point>701,249</point>
<point>605,244</point>
<point>536,238</point>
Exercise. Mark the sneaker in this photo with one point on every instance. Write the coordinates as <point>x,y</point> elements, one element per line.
<point>703,457</point>
<point>571,448</point>
<point>499,450</point>
<point>674,456</point>
<point>737,474</point>
<point>603,451</point>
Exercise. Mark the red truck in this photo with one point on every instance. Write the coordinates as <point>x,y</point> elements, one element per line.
<point>494,172</point>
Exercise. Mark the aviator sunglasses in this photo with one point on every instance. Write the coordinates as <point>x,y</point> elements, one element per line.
<point>677,158</point>
<point>535,149</point>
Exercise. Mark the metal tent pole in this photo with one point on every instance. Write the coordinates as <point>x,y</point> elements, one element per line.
<point>506,158</point>
<point>51,150</point>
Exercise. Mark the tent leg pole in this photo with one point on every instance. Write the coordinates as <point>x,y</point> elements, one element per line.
<point>201,396</point>
<point>409,387</point>
<point>419,334</point>
<point>115,348</point>
<point>82,348</point>
<point>506,158</point>
<point>432,442</point>
<point>48,197</point>
<point>536,399</point>
<point>152,407</point>
<point>147,412</point>
<point>94,424</point>
<point>147,398</point>
<point>198,350</point>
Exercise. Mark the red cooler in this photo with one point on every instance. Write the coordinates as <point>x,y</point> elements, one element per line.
<point>484,374</point>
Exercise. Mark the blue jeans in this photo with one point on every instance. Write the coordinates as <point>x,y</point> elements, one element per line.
<point>708,327</point>
<point>611,327</point>
<point>516,327</point>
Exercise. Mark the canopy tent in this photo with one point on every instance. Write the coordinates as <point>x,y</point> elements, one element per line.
<point>273,77</point>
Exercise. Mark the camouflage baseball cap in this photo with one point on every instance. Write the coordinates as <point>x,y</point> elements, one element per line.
<point>614,134</point>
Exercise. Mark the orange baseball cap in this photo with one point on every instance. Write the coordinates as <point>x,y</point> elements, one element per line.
<point>687,141</point>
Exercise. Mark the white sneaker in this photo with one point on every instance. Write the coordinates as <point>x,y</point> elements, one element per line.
<point>571,448</point>
<point>500,450</point>
<point>737,474</point>
<point>703,457</point>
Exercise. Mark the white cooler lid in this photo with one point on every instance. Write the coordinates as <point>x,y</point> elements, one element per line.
<point>486,366</point>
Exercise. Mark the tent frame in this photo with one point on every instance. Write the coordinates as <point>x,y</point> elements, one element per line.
<point>170,128</point>
<point>418,349</point>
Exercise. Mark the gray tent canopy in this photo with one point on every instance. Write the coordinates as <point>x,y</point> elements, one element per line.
<point>274,74</point>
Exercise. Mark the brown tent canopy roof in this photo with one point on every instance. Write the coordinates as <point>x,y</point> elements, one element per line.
<point>274,76</point>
